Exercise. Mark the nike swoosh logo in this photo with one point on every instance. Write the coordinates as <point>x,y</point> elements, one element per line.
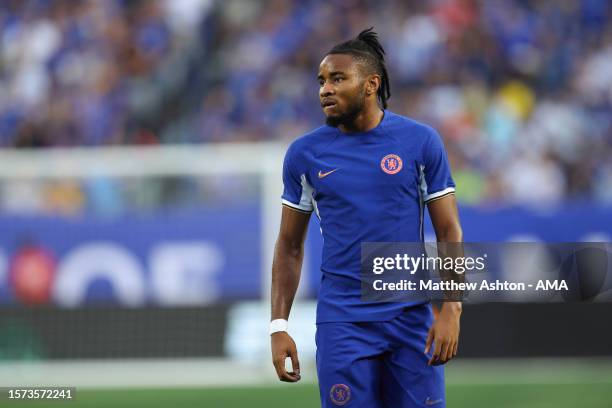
<point>429,401</point>
<point>321,175</point>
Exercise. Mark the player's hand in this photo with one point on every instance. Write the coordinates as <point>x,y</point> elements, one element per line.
<point>283,346</point>
<point>444,334</point>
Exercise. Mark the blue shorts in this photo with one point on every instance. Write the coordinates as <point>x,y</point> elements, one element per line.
<point>379,364</point>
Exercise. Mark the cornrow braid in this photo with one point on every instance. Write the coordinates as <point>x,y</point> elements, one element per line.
<point>367,48</point>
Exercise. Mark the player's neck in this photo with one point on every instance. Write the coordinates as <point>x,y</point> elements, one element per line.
<point>368,119</point>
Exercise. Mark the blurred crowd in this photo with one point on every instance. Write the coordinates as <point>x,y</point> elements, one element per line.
<point>521,90</point>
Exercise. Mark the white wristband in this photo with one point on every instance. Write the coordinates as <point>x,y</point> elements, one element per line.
<point>278,325</point>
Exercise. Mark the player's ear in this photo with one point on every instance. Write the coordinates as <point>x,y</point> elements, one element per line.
<point>372,84</point>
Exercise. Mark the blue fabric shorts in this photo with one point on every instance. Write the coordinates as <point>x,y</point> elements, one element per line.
<point>379,364</point>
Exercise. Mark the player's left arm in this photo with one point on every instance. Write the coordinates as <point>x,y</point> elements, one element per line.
<point>444,333</point>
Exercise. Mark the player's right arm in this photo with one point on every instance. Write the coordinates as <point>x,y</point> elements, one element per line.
<point>286,269</point>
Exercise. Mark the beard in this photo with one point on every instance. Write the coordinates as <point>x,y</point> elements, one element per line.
<point>348,117</point>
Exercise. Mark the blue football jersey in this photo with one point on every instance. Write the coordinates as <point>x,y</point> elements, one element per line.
<point>364,187</point>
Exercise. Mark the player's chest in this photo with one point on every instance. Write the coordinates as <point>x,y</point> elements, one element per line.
<point>364,170</point>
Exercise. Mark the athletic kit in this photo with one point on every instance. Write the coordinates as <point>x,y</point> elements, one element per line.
<point>369,187</point>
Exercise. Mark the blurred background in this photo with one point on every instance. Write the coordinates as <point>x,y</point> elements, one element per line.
<point>141,145</point>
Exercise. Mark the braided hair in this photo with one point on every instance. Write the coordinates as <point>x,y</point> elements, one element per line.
<point>368,50</point>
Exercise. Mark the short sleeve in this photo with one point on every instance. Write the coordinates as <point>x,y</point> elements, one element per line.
<point>297,192</point>
<point>436,179</point>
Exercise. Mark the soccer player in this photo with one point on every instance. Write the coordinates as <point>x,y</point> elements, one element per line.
<point>367,175</point>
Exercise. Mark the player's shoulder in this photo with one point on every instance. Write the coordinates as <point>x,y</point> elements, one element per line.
<point>409,128</point>
<point>310,140</point>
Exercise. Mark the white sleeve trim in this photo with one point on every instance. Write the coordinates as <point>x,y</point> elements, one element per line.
<point>305,203</point>
<point>439,194</point>
<point>297,206</point>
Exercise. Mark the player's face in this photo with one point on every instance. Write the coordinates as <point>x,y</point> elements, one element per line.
<point>341,89</point>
